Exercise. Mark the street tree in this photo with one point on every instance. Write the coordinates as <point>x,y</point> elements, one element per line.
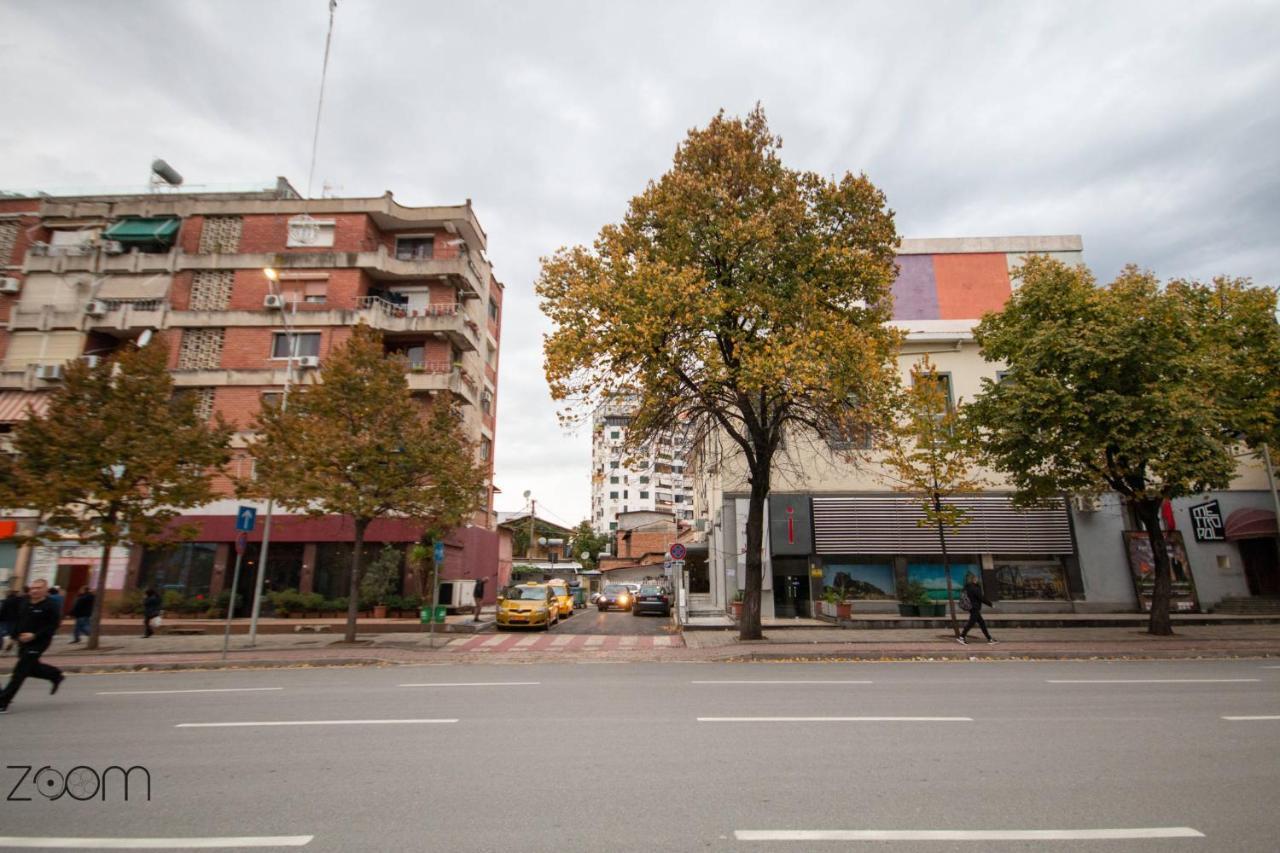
<point>357,444</point>
<point>114,457</point>
<point>735,295</point>
<point>1134,388</point>
<point>928,453</point>
<point>586,541</point>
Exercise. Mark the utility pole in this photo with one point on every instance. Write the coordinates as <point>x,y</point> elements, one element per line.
<point>533,514</point>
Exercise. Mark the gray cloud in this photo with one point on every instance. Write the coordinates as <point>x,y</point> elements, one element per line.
<point>1149,128</point>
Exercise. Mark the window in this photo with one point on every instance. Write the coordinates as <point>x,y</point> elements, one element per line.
<point>1002,375</point>
<point>613,525</point>
<point>625,493</point>
<point>1030,578</point>
<point>613,496</point>
<point>308,291</point>
<point>944,380</point>
<point>415,248</point>
<point>644,481</point>
<point>486,402</point>
<point>644,496</point>
<point>613,481</point>
<point>679,498</point>
<point>186,568</point>
<point>493,310</point>
<point>272,398</point>
<point>304,343</point>
<point>613,465</point>
<point>486,448</point>
<point>615,434</point>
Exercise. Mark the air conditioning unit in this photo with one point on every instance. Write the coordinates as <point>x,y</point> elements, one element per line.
<point>48,371</point>
<point>271,300</point>
<point>92,360</point>
<point>113,247</point>
<point>8,284</point>
<point>1086,503</point>
<point>95,308</point>
<point>309,361</point>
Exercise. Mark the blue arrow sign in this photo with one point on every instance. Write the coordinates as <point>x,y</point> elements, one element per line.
<point>439,555</point>
<point>245,517</point>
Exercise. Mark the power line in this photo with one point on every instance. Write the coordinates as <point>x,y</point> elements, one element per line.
<point>324,73</point>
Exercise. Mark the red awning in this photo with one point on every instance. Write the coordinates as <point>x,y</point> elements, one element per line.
<point>1250,523</point>
<point>14,405</point>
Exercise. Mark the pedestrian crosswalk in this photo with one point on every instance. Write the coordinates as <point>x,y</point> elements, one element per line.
<point>561,643</point>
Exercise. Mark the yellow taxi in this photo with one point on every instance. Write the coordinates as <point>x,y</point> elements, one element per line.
<point>564,598</point>
<point>528,605</point>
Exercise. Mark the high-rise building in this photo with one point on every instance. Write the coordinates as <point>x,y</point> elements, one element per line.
<point>81,275</point>
<point>629,480</point>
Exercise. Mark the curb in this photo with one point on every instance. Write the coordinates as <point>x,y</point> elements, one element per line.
<point>853,656</point>
<point>105,668</point>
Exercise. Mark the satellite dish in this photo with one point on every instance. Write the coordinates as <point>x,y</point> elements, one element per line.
<point>144,338</point>
<point>527,493</point>
<point>166,173</point>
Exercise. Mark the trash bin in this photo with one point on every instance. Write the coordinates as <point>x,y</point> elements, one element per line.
<point>440,613</point>
<point>425,615</point>
<point>579,596</point>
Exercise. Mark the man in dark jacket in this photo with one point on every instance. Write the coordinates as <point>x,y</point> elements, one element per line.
<point>82,612</point>
<point>36,624</point>
<point>8,615</point>
<point>976,598</point>
<point>479,596</point>
<point>150,610</point>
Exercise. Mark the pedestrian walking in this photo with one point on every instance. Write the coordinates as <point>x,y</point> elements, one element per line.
<point>479,596</point>
<point>59,600</point>
<point>8,616</point>
<point>150,611</point>
<point>972,599</point>
<point>36,624</point>
<point>82,612</point>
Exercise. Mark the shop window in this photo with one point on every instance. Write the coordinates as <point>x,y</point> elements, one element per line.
<point>1030,578</point>
<point>861,578</point>
<point>928,571</point>
<point>333,566</point>
<point>415,248</point>
<point>185,568</point>
<point>305,343</point>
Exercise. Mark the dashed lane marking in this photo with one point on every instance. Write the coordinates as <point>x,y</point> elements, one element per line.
<point>156,843</point>
<point>307,723</point>
<point>966,834</point>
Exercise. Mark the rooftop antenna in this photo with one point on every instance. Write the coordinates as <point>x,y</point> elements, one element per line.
<point>163,175</point>
<point>324,73</point>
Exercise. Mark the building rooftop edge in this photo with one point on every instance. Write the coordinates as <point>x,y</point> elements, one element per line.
<point>1007,244</point>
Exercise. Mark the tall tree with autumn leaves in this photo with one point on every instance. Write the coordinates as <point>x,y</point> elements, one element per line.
<point>358,444</point>
<point>738,295</point>
<point>114,457</point>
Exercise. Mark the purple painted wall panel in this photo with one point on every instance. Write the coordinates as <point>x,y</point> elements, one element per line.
<point>915,292</point>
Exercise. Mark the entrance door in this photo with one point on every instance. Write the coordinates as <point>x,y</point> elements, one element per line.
<point>790,588</point>
<point>71,578</point>
<point>1260,566</point>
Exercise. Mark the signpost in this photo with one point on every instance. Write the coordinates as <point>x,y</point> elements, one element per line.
<point>245,517</point>
<point>437,563</point>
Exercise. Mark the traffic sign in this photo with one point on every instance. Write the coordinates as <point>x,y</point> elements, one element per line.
<point>245,517</point>
<point>677,551</point>
<point>242,539</point>
<point>439,553</point>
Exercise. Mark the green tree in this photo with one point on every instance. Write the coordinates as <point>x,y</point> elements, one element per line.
<point>114,458</point>
<point>357,444</point>
<point>928,453</point>
<point>1134,388</point>
<point>736,295</point>
<point>586,540</point>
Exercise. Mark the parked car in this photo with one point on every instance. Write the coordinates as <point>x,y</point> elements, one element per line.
<point>652,598</point>
<point>615,595</point>
<point>564,597</point>
<point>528,605</point>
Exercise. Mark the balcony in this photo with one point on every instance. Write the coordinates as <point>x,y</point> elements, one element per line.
<point>436,376</point>
<point>130,315</point>
<point>447,320</point>
<point>25,374</point>
<point>93,259</point>
<point>45,318</point>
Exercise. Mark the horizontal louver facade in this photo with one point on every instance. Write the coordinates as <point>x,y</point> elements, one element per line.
<point>889,525</point>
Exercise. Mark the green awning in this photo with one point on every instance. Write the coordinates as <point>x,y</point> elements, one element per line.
<point>154,230</point>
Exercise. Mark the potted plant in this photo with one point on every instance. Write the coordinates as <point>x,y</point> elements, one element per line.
<point>738,598</point>
<point>378,578</point>
<point>843,608</point>
<point>910,595</point>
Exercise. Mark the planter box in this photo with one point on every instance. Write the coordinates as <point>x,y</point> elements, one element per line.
<point>908,610</point>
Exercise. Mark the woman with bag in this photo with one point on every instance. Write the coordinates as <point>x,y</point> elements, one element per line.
<point>150,611</point>
<point>972,599</point>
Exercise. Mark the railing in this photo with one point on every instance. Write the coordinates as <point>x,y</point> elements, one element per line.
<point>431,366</point>
<point>393,309</point>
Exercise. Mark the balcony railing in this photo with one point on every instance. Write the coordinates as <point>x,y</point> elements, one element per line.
<point>392,309</point>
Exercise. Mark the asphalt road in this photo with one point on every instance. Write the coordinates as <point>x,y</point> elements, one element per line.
<point>641,757</point>
<point>589,620</point>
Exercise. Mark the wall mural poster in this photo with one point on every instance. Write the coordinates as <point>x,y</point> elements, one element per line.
<point>1031,580</point>
<point>1141,565</point>
<point>932,577</point>
<point>859,580</point>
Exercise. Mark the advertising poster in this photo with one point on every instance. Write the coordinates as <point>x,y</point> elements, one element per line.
<point>932,577</point>
<point>859,580</point>
<point>1183,593</point>
<point>1031,581</point>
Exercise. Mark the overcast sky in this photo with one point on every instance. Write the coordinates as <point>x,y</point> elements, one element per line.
<point>1152,129</point>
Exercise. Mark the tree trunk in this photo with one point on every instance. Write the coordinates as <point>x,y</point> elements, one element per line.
<point>1149,514</point>
<point>353,594</point>
<point>99,594</point>
<point>946,563</point>
<point>749,626</point>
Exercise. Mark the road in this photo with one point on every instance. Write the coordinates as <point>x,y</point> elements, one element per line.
<point>590,620</point>
<point>643,757</point>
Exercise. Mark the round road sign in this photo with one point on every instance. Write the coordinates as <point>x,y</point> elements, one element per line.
<point>677,551</point>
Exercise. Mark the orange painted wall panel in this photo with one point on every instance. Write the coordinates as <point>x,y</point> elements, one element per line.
<point>970,285</point>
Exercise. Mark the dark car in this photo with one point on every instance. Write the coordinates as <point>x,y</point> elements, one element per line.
<point>615,595</point>
<point>652,598</point>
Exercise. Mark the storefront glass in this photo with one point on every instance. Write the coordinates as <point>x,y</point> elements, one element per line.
<point>185,568</point>
<point>859,578</point>
<point>1030,578</point>
<point>333,566</point>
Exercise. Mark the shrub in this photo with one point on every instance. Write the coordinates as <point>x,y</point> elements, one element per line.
<point>312,602</point>
<point>172,601</point>
<point>130,605</point>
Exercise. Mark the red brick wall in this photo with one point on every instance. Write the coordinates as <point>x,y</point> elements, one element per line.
<point>270,233</point>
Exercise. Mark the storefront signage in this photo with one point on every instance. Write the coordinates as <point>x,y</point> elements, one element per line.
<point>1183,593</point>
<point>1206,520</point>
<point>790,525</point>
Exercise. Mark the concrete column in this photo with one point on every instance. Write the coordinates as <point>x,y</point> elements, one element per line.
<point>223,562</point>
<point>306,582</point>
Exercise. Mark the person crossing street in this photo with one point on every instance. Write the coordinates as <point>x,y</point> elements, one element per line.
<point>35,626</point>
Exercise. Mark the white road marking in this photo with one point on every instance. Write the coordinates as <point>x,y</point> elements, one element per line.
<point>494,641</point>
<point>460,641</point>
<point>594,640</point>
<point>156,843</point>
<point>966,834</point>
<point>471,684</point>
<point>628,641</point>
<point>525,642</point>
<point>835,719</point>
<point>664,641</point>
<point>778,681</point>
<point>1149,680</point>
<point>1260,717</point>
<point>202,690</point>
<point>562,640</point>
<point>305,723</point>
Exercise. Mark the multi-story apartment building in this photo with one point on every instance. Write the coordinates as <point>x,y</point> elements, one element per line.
<point>83,275</point>
<point>831,523</point>
<point>651,478</point>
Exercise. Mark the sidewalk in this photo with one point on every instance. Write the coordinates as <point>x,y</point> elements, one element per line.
<point>272,650</point>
